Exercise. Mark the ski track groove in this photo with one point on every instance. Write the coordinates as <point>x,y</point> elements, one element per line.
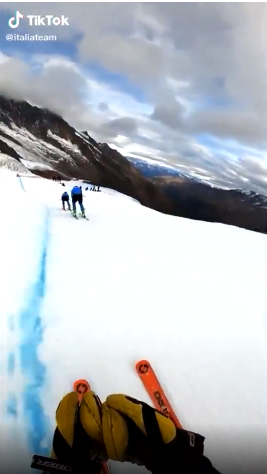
<point>21,183</point>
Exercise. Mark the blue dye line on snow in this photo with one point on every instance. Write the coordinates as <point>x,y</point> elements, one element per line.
<point>11,364</point>
<point>12,405</point>
<point>33,369</point>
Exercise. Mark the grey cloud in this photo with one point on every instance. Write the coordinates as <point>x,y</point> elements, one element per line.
<point>103,106</point>
<point>121,126</point>
<point>58,88</point>
<point>247,175</point>
<point>168,111</point>
<point>244,126</point>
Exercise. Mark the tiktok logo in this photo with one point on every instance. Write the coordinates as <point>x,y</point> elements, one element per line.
<point>13,22</point>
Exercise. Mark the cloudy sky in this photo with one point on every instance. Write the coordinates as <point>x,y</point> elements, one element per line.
<point>184,83</point>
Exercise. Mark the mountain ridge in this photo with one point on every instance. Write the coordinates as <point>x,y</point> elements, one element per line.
<point>46,144</point>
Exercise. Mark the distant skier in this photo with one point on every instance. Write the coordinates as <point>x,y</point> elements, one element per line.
<point>65,199</point>
<point>125,430</point>
<point>77,196</point>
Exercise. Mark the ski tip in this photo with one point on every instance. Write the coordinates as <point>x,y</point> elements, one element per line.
<point>142,366</point>
<point>81,386</point>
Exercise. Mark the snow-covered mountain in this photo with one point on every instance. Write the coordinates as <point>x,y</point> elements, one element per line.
<point>156,169</point>
<point>189,296</point>
<point>196,197</point>
<point>47,145</point>
<point>152,168</point>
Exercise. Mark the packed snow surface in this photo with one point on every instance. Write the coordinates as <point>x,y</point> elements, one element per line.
<point>87,299</point>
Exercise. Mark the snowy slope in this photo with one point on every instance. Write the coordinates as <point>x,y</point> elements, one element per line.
<point>9,163</point>
<point>88,299</point>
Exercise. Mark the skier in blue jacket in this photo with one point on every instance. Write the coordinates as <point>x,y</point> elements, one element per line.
<point>77,196</point>
<point>65,198</point>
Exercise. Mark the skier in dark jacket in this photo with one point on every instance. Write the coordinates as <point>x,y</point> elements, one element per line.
<point>126,430</point>
<point>65,199</point>
<point>77,196</point>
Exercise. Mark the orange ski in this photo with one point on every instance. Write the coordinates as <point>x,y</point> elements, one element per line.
<point>81,387</point>
<point>155,391</point>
